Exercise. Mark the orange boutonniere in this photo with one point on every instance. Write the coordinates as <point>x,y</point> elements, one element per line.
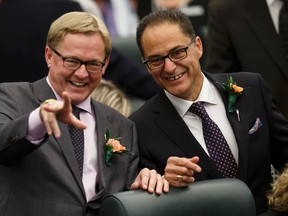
<point>113,146</point>
<point>233,91</point>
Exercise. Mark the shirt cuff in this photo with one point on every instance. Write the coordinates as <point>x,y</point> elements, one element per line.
<point>36,128</point>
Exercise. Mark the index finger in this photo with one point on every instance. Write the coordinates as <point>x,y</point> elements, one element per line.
<point>67,102</point>
<point>194,165</point>
<point>191,164</point>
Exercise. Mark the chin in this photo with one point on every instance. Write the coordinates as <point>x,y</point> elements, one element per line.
<point>77,100</point>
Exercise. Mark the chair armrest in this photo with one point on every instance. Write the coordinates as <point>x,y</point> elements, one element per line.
<point>204,198</point>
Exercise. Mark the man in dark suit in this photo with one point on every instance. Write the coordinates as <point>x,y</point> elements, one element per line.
<point>44,170</point>
<point>172,136</point>
<point>243,37</point>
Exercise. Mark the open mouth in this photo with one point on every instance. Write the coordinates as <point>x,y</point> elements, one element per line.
<point>175,77</point>
<point>78,84</point>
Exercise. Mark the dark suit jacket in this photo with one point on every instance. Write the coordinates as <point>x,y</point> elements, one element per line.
<point>24,25</point>
<point>45,180</point>
<point>242,37</point>
<point>163,133</point>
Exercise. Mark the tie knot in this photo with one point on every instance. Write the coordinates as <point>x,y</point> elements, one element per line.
<point>198,109</point>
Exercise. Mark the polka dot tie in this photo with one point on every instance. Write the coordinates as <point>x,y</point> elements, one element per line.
<point>217,146</point>
<point>77,137</point>
<point>283,26</point>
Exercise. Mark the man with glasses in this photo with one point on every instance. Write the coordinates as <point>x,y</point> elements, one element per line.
<point>59,153</point>
<point>203,126</point>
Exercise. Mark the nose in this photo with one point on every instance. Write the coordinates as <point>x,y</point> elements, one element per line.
<point>169,66</point>
<point>81,71</point>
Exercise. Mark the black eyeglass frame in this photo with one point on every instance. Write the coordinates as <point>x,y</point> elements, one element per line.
<point>146,62</point>
<point>80,62</point>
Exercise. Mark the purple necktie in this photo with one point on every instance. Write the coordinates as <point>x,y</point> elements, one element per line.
<point>77,137</point>
<point>216,143</point>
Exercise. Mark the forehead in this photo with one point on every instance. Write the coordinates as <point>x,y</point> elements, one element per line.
<point>83,42</point>
<point>162,37</point>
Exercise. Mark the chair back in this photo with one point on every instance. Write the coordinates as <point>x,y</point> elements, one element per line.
<point>223,197</point>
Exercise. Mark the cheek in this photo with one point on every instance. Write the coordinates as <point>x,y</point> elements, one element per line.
<point>58,77</point>
<point>156,76</point>
<point>155,73</point>
<point>159,81</point>
<point>95,83</point>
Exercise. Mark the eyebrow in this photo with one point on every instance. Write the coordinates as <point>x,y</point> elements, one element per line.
<point>171,50</point>
<point>76,58</point>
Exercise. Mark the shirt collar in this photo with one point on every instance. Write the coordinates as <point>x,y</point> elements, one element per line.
<point>85,105</point>
<point>207,95</point>
<point>270,2</point>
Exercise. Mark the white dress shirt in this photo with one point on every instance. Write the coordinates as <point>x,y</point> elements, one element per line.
<point>216,110</point>
<point>274,8</point>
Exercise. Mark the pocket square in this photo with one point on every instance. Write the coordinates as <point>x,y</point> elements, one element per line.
<point>256,126</point>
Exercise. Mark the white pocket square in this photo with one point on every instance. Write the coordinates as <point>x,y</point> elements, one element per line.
<point>256,126</point>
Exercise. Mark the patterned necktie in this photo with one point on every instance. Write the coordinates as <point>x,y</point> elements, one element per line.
<point>216,144</point>
<point>283,27</point>
<point>77,137</point>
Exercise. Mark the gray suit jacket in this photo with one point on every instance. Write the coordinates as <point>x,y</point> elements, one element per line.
<point>45,180</point>
<point>242,37</point>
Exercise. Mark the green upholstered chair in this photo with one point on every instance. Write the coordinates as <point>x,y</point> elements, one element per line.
<point>221,197</point>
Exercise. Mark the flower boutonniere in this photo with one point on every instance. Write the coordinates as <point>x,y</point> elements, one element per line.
<point>233,91</point>
<point>113,147</point>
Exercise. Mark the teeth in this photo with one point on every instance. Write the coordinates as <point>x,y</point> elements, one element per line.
<point>176,77</point>
<point>78,84</point>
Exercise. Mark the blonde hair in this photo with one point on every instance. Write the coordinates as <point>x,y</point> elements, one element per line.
<point>108,93</point>
<point>77,22</point>
<point>278,196</point>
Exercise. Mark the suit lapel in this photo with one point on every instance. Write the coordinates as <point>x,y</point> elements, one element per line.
<point>239,128</point>
<point>181,136</point>
<point>43,92</point>
<point>258,16</point>
<point>66,146</point>
<point>102,123</point>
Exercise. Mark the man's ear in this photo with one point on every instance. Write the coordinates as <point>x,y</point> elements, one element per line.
<point>106,64</point>
<point>199,46</point>
<point>48,56</point>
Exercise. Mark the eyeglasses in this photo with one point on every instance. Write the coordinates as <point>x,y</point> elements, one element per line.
<point>74,64</point>
<point>174,56</point>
